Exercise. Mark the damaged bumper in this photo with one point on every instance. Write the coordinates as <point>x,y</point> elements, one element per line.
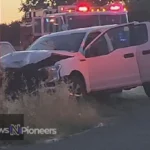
<point>30,80</point>
<point>53,76</point>
<point>26,75</point>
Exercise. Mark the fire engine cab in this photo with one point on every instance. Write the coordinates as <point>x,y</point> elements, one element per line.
<point>80,15</point>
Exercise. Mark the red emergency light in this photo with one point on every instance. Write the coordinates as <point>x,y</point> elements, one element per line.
<point>83,7</point>
<point>87,7</point>
<point>116,7</point>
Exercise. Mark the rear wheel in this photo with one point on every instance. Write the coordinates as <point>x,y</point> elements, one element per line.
<point>146,87</point>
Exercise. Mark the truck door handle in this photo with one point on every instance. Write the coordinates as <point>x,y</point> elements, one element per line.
<point>82,59</point>
<point>129,55</point>
<point>146,52</point>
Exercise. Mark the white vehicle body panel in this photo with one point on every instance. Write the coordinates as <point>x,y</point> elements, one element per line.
<point>76,63</point>
<point>113,70</point>
<point>144,59</point>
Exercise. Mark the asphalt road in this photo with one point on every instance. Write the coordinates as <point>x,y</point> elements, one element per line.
<point>131,132</point>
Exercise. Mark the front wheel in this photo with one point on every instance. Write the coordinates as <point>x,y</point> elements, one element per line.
<point>77,88</point>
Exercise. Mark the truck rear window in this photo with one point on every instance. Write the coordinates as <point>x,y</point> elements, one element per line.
<point>82,21</point>
<point>113,19</point>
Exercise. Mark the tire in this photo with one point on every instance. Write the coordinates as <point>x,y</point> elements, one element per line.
<point>77,87</point>
<point>146,87</point>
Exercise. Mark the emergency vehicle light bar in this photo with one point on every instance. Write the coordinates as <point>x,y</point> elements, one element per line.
<point>84,7</point>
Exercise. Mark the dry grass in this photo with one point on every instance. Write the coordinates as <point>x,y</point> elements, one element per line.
<point>64,113</point>
<point>52,111</point>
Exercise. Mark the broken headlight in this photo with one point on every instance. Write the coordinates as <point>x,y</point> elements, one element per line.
<point>52,73</point>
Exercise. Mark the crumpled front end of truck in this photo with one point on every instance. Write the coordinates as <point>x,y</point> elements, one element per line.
<point>25,73</point>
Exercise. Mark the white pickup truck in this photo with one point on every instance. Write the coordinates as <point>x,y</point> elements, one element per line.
<point>117,58</point>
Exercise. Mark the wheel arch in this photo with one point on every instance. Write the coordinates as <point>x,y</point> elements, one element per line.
<point>80,75</point>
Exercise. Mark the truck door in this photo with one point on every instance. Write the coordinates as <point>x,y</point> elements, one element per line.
<point>112,60</point>
<point>142,39</point>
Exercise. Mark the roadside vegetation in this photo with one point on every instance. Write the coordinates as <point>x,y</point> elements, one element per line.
<point>59,111</point>
<point>55,110</point>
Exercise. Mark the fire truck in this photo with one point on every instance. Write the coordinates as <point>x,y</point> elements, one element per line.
<point>46,21</point>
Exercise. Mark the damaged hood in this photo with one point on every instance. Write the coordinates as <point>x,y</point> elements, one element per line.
<point>24,58</point>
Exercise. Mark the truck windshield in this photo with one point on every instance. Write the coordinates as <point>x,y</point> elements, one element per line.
<point>69,42</point>
<point>82,21</point>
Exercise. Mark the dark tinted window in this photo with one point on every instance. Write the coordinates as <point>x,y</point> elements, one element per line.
<point>91,37</point>
<point>124,19</point>
<point>120,37</point>
<point>140,34</point>
<point>82,21</point>
<point>112,19</point>
<point>98,48</point>
<point>127,36</point>
<point>69,42</point>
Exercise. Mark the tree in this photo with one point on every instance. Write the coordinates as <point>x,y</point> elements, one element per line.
<point>138,10</point>
<point>37,4</point>
<point>10,33</point>
<point>140,5</point>
<point>29,4</point>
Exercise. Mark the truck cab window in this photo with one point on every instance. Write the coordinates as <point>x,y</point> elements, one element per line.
<point>139,34</point>
<point>98,48</point>
<point>90,38</point>
<point>119,37</point>
<point>126,36</point>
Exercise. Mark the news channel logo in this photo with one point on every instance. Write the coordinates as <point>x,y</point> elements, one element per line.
<point>17,130</point>
<point>11,126</point>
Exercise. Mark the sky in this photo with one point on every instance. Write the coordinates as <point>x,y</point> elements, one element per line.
<point>9,10</point>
